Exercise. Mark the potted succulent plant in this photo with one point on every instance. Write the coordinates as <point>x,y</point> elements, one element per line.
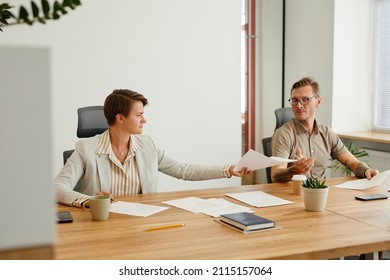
<point>315,194</point>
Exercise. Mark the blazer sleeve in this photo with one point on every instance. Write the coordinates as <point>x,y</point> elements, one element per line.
<point>73,171</point>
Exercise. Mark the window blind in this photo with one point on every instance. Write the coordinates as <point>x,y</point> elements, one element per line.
<point>382,66</point>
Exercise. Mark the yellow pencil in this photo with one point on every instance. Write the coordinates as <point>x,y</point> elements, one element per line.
<point>164,227</point>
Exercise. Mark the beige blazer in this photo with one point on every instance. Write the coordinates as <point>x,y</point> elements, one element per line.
<point>94,169</point>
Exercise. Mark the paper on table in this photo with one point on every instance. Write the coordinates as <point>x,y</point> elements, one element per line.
<point>381,178</point>
<point>223,206</point>
<point>259,199</point>
<point>213,206</point>
<point>192,204</point>
<point>254,161</point>
<point>135,209</point>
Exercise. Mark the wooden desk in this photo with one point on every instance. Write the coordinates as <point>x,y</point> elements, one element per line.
<point>303,234</point>
<point>375,213</point>
<point>369,136</point>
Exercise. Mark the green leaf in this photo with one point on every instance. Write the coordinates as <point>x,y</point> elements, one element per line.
<point>67,3</point>
<point>46,8</point>
<point>56,16</point>
<point>58,8</point>
<point>39,14</point>
<point>23,14</point>
<point>35,9</point>
<point>8,15</point>
<point>314,183</point>
<point>42,20</point>
<point>5,6</point>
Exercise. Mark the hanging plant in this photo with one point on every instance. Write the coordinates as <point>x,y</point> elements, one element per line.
<point>38,13</point>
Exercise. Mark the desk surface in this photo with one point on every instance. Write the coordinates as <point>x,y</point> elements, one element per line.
<point>341,230</point>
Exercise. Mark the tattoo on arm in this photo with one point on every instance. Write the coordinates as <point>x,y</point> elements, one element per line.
<point>284,175</point>
<point>347,164</point>
<point>360,170</point>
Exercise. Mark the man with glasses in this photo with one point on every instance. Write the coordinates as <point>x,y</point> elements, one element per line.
<point>310,143</point>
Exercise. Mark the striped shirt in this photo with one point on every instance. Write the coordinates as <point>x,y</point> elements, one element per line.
<point>124,177</point>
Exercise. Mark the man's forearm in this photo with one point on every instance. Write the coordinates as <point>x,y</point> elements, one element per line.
<point>359,169</point>
<point>283,175</point>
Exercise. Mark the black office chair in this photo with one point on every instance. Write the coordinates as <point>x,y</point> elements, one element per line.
<point>91,121</point>
<point>267,150</point>
<point>283,115</point>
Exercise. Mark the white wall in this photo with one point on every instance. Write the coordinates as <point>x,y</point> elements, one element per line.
<point>352,72</point>
<point>309,48</point>
<point>184,56</point>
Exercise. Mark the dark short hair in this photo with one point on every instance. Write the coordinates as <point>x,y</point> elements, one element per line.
<point>307,81</point>
<point>121,101</point>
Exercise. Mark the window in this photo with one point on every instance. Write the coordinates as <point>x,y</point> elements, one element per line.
<point>382,66</point>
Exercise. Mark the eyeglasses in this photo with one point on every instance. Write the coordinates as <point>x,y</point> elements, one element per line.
<point>304,101</point>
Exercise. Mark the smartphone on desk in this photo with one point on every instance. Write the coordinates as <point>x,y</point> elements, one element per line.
<point>64,217</point>
<point>371,197</point>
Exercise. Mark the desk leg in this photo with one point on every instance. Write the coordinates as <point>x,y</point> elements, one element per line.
<point>375,256</point>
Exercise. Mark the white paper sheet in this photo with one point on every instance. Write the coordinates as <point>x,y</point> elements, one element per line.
<point>192,204</point>
<point>135,209</point>
<point>212,206</point>
<point>361,184</point>
<point>223,206</point>
<point>259,199</point>
<point>254,161</point>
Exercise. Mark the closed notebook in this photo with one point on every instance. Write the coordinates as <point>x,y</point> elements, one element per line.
<point>247,221</point>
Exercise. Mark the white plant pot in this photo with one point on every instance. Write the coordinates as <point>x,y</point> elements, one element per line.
<point>315,199</point>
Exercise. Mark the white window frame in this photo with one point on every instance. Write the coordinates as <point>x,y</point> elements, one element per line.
<point>381,70</point>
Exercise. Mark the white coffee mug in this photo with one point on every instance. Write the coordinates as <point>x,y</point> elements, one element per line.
<point>99,206</point>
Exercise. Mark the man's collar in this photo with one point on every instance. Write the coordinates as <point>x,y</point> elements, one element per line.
<point>302,129</point>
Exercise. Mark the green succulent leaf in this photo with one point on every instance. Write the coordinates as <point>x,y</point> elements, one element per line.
<point>314,183</point>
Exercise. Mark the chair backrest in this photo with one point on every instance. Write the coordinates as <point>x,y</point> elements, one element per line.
<point>283,115</point>
<point>91,121</point>
<point>267,150</point>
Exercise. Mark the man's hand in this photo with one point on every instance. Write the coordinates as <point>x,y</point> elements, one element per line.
<point>371,173</point>
<point>303,164</point>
